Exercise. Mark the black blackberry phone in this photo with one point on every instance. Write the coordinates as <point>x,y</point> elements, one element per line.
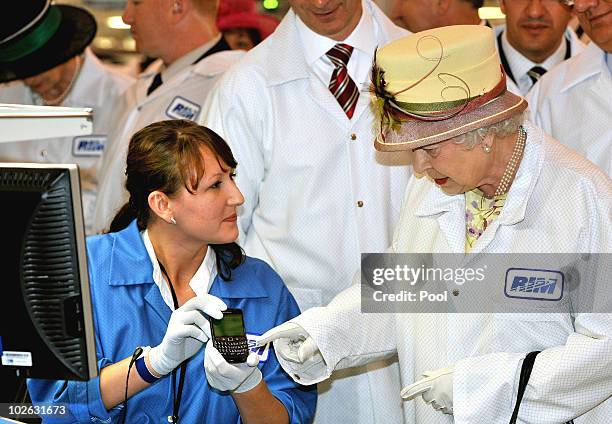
<point>229,336</point>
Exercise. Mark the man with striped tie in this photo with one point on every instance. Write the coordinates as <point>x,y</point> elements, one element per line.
<point>296,114</point>
<point>536,37</point>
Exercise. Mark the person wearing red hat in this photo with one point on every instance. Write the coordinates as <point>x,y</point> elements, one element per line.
<point>44,60</point>
<point>241,25</point>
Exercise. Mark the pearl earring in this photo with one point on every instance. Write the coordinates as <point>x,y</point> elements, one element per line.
<point>486,149</point>
<point>172,220</point>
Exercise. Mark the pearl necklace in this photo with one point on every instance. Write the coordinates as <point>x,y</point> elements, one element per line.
<point>515,159</point>
<point>59,99</point>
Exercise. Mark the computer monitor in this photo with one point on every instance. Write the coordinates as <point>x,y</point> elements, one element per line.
<point>46,326</point>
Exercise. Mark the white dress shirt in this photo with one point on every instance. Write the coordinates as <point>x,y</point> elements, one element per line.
<point>362,41</point>
<point>201,281</point>
<point>519,64</point>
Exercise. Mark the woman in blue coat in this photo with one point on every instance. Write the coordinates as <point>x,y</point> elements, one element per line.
<point>169,262</point>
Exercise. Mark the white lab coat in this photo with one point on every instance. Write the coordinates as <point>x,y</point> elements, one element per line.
<point>558,203</point>
<point>97,87</point>
<point>181,97</point>
<point>576,45</point>
<point>573,103</point>
<point>304,168</point>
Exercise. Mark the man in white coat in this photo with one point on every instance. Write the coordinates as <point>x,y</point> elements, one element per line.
<point>192,56</point>
<point>306,166</point>
<point>496,186</point>
<point>59,73</point>
<point>536,38</point>
<point>419,15</point>
<point>574,103</point>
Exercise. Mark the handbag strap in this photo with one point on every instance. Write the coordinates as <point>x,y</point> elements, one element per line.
<point>523,380</point>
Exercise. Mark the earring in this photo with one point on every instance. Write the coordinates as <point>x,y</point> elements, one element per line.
<point>486,149</point>
<point>172,220</point>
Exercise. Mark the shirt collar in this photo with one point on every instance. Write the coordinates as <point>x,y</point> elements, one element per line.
<point>200,282</point>
<point>362,38</point>
<point>520,64</point>
<point>188,59</point>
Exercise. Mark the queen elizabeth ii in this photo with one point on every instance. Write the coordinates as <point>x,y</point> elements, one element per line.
<point>486,181</point>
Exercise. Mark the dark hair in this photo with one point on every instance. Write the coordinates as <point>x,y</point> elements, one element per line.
<point>164,156</point>
<point>477,4</point>
<point>254,35</point>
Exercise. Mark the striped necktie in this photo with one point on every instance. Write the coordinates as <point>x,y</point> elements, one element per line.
<point>536,73</point>
<point>341,85</point>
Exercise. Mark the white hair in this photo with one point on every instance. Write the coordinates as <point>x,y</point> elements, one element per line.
<point>500,129</point>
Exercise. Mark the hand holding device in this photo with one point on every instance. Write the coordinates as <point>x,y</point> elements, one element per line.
<point>436,388</point>
<point>187,331</point>
<point>291,342</point>
<point>222,375</point>
<point>229,336</point>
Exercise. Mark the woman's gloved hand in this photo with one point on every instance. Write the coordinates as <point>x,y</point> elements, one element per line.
<point>222,375</point>
<point>187,331</point>
<point>436,389</point>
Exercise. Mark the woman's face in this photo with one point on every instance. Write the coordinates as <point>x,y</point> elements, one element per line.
<point>209,215</point>
<point>238,39</point>
<point>452,167</point>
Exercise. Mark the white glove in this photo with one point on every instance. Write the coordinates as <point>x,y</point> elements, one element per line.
<point>187,331</point>
<point>291,342</point>
<point>436,389</point>
<point>222,375</point>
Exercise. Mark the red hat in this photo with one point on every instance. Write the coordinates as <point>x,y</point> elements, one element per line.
<point>243,14</point>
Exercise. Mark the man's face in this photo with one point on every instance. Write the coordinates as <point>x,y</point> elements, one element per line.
<point>50,84</point>
<point>595,17</point>
<point>414,15</point>
<point>335,19</point>
<point>535,27</point>
<point>145,18</point>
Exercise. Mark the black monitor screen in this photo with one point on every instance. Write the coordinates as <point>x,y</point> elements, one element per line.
<point>46,328</point>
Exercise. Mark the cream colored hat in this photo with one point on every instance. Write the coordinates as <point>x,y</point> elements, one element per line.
<point>437,84</point>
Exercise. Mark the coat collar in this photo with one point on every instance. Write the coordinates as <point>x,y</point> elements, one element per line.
<point>436,202</point>
<point>589,63</point>
<point>286,60</point>
<point>130,264</point>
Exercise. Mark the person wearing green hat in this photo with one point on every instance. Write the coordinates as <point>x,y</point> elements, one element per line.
<point>44,60</point>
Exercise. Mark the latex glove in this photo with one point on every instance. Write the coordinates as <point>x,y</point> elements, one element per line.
<point>291,342</point>
<point>187,332</point>
<point>436,388</point>
<point>222,375</point>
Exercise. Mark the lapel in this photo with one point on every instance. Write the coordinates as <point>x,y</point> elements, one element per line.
<point>287,63</point>
<point>130,265</point>
<point>144,81</point>
<point>447,211</point>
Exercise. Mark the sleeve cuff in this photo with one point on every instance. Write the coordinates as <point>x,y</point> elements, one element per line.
<point>88,405</point>
<point>484,388</point>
